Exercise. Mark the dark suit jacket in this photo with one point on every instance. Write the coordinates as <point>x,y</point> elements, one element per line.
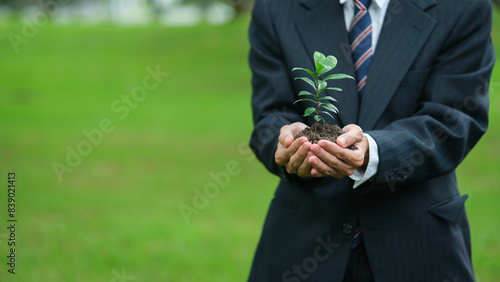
<point>426,106</point>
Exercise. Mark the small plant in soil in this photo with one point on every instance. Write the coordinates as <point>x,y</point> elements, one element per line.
<point>323,103</point>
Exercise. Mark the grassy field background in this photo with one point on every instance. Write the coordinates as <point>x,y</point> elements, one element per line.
<point>115,216</point>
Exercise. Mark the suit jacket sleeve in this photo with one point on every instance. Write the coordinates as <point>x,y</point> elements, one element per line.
<point>272,99</point>
<point>454,112</point>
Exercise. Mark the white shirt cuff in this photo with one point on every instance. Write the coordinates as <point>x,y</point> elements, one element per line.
<point>360,176</point>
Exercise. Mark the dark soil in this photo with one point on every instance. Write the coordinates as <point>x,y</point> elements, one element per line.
<point>323,132</point>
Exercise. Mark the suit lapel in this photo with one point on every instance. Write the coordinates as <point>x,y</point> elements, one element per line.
<point>322,28</point>
<point>393,57</point>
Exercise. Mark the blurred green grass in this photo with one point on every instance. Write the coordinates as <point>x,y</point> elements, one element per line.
<point>117,212</point>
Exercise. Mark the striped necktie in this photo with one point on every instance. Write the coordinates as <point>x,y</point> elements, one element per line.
<point>360,34</point>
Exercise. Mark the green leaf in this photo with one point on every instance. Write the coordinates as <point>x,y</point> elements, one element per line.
<point>306,70</point>
<point>328,64</point>
<point>323,70</point>
<point>319,57</point>
<point>302,93</point>
<point>318,118</point>
<point>322,85</point>
<point>309,111</point>
<point>334,88</point>
<point>330,107</point>
<point>300,100</point>
<point>324,112</point>
<point>338,76</point>
<point>328,88</point>
<point>328,98</point>
<point>308,81</point>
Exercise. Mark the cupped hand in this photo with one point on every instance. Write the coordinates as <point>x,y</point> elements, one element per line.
<point>293,154</point>
<point>334,159</point>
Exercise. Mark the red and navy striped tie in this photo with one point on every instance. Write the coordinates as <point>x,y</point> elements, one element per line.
<point>360,34</point>
<point>357,237</point>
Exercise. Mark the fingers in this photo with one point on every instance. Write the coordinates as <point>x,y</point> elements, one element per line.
<point>287,146</point>
<point>283,153</point>
<point>295,160</point>
<point>298,164</point>
<point>288,132</point>
<point>327,163</point>
<point>316,173</point>
<point>352,134</point>
<point>293,154</point>
<point>307,170</point>
<point>352,158</point>
<point>286,137</point>
<point>321,168</point>
<point>325,158</point>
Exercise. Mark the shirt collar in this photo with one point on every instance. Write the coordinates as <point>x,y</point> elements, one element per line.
<point>379,3</point>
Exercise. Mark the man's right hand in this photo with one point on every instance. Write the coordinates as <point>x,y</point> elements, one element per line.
<point>294,154</point>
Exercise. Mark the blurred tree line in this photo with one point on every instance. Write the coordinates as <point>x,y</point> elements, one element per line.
<point>240,6</point>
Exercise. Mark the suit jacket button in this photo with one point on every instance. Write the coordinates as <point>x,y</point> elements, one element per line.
<point>347,228</point>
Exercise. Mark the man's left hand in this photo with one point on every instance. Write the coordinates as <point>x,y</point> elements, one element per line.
<point>334,159</point>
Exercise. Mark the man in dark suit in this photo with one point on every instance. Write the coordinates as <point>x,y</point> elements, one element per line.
<point>391,210</point>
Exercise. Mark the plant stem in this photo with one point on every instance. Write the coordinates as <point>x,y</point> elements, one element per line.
<point>317,97</point>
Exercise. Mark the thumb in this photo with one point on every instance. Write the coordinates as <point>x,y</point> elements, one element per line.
<point>288,141</point>
<point>288,132</point>
<point>341,141</point>
<point>286,137</point>
<point>352,134</point>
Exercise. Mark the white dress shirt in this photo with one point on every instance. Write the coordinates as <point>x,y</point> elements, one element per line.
<point>377,11</point>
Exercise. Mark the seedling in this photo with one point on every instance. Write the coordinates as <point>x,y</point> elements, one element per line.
<point>323,106</point>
